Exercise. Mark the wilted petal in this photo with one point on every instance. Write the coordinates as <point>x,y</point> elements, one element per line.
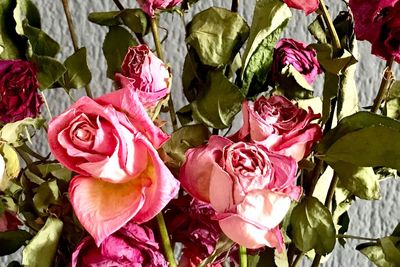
<point>102,207</point>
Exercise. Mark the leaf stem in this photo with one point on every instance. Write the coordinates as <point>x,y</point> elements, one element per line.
<point>331,28</point>
<point>331,190</point>
<point>316,261</point>
<point>169,253</point>
<point>160,54</point>
<point>235,6</point>
<point>384,87</point>
<point>73,37</point>
<point>358,237</point>
<point>243,256</point>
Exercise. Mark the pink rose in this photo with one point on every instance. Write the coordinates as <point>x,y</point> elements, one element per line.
<point>111,143</point>
<point>249,187</point>
<point>9,222</point>
<point>145,73</point>
<point>378,22</point>
<point>149,6</point>
<point>19,96</point>
<point>280,125</point>
<point>132,246</point>
<point>307,6</point>
<point>303,59</point>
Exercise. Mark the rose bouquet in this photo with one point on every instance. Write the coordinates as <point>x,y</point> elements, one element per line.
<point>133,180</point>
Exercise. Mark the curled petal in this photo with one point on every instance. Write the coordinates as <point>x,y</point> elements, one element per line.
<point>196,171</point>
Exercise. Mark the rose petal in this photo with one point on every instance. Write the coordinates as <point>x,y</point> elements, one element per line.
<point>128,101</point>
<point>247,234</point>
<point>221,190</point>
<point>264,207</point>
<point>102,207</point>
<point>194,179</point>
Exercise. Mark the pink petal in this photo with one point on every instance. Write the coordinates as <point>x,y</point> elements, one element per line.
<point>221,190</point>
<point>102,207</point>
<point>128,101</point>
<point>194,179</point>
<point>247,234</point>
<point>264,208</point>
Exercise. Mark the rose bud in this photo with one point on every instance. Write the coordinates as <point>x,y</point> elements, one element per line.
<point>145,73</point>
<point>149,6</point>
<point>111,143</point>
<point>249,187</point>
<point>19,96</point>
<point>280,125</point>
<point>379,23</point>
<point>132,245</point>
<point>291,52</point>
<point>307,6</point>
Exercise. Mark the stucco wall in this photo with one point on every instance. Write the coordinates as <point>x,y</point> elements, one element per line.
<point>369,218</point>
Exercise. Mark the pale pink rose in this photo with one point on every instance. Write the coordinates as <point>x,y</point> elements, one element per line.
<point>280,125</point>
<point>111,143</point>
<point>149,6</point>
<point>131,246</point>
<point>307,6</point>
<point>145,73</point>
<point>249,187</point>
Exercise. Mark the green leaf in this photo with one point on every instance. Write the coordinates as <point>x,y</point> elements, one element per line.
<point>392,104</point>
<point>11,241</point>
<point>269,19</point>
<point>293,85</point>
<point>42,248</point>
<point>110,18</point>
<point>115,46</point>
<point>184,138</point>
<point>317,29</point>
<point>49,70</point>
<point>40,42</point>
<point>360,181</point>
<point>375,254</point>
<point>334,65</point>
<point>392,253</point>
<point>78,74</point>
<point>46,195</point>
<point>12,165</point>
<point>14,264</point>
<point>218,103</point>
<point>371,145</point>
<point>217,34</point>
<point>313,227</point>
<point>134,19</point>
<point>14,133</point>
<point>185,115</point>
<point>12,46</point>
<point>26,10</point>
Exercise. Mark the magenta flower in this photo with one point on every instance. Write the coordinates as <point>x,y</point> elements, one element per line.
<point>19,96</point>
<point>307,6</point>
<point>150,6</point>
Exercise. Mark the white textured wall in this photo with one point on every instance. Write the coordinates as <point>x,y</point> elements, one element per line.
<point>369,218</point>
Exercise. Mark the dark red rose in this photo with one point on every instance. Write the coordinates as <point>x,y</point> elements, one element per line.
<point>19,96</point>
<point>378,22</point>
<point>295,53</point>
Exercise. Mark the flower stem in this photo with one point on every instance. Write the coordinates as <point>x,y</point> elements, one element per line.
<point>385,84</point>
<point>358,238</point>
<point>73,37</point>
<point>47,105</point>
<point>298,260</point>
<point>243,256</point>
<point>331,190</point>
<point>331,28</point>
<point>169,253</point>
<point>119,5</point>
<point>235,6</point>
<point>160,54</point>
<point>316,261</point>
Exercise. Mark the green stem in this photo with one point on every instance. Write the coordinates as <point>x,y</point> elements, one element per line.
<point>73,37</point>
<point>47,105</point>
<point>298,260</point>
<point>331,28</point>
<point>169,253</point>
<point>358,238</point>
<point>243,256</point>
<point>331,190</point>
<point>316,261</point>
<point>160,54</point>
<point>32,153</point>
<point>29,164</point>
<point>385,84</point>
